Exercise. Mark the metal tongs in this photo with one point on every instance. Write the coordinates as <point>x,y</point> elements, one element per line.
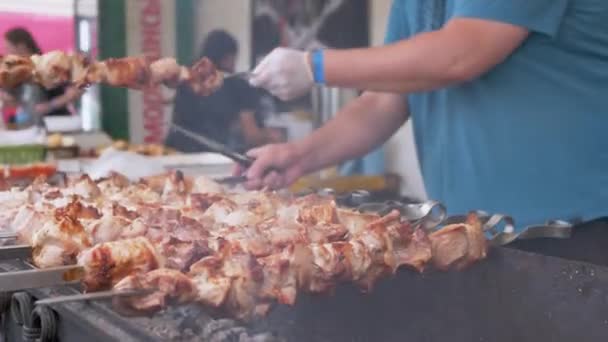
<point>214,146</point>
<point>220,148</point>
<point>426,215</point>
<point>431,215</point>
<point>500,229</point>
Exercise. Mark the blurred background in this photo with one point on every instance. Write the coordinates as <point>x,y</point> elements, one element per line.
<point>243,30</point>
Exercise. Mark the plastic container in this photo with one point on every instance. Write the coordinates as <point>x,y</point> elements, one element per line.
<point>22,154</point>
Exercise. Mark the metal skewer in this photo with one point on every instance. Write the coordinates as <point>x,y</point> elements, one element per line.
<point>40,278</point>
<point>7,236</point>
<point>213,145</point>
<point>94,296</point>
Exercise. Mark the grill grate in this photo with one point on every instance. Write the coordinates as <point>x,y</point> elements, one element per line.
<point>470,304</point>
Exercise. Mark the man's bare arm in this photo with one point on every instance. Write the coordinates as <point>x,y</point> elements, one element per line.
<point>358,128</point>
<point>70,95</point>
<point>462,50</point>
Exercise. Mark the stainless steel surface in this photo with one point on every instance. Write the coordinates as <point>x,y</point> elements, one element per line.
<point>326,102</point>
<point>40,278</point>
<point>500,229</point>
<point>22,252</point>
<point>552,230</point>
<point>6,236</point>
<point>93,296</point>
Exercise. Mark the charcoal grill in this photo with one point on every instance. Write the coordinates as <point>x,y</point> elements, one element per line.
<point>513,295</point>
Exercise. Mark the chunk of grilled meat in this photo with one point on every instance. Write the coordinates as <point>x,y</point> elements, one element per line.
<point>15,71</point>
<point>58,242</point>
<point>203,78</point>
<point>53,69</point>
<point>106,264</point>
<point>168,286</point>
<point>458,246</point>
<point>26,221</point>
<point>82,186</point>
<point>246,284</point>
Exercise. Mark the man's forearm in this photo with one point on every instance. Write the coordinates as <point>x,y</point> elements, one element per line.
<point>358,128</point>
<point>464,49</point>
<point>400,67</point>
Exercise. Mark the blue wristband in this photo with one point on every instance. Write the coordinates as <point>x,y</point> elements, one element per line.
<point>318,66</point>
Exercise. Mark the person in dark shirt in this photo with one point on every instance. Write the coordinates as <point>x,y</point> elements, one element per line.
<point>57,101</point>
<point>230,115</point>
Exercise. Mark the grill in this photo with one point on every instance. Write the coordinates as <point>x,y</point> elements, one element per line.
<point>534,290</point>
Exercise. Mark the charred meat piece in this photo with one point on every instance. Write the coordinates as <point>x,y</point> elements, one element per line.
<point>459,245</point>
<point>53,69</point>
<point>14,71</point>
<point>168,285</point>
<point>58,242</point>
<point>106,264</point>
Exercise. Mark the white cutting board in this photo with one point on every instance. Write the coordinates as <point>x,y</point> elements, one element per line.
<point>135,166</point>
<point>208,164</point>
<point>132,165</point>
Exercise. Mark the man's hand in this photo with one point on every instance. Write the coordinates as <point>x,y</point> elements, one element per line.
<point>285,73</point>
<point>276,166</point>
<point>359,127</point>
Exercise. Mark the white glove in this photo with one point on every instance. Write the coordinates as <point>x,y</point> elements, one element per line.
<point>285,73</point>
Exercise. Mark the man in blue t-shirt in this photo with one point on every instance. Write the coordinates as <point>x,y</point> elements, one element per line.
<point>509,101</point>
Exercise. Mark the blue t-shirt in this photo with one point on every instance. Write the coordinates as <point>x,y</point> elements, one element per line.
<point>528,138</point>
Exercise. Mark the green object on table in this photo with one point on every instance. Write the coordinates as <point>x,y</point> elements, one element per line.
<point>22,154</point>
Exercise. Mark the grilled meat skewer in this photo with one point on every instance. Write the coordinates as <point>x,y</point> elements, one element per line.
<point>57,68</point>
<point>187,239</point>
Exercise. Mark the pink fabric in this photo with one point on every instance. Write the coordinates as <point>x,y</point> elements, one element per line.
<point>51,33</point>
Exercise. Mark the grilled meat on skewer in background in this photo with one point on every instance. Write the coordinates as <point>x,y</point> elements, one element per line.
<point>57,68</point>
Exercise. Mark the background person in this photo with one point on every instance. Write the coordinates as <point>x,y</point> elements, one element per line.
<point>56,101</point>
<point>230,115</point>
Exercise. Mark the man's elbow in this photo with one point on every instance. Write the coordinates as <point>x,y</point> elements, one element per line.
<point>462,71</point>
<point>474,47</point>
